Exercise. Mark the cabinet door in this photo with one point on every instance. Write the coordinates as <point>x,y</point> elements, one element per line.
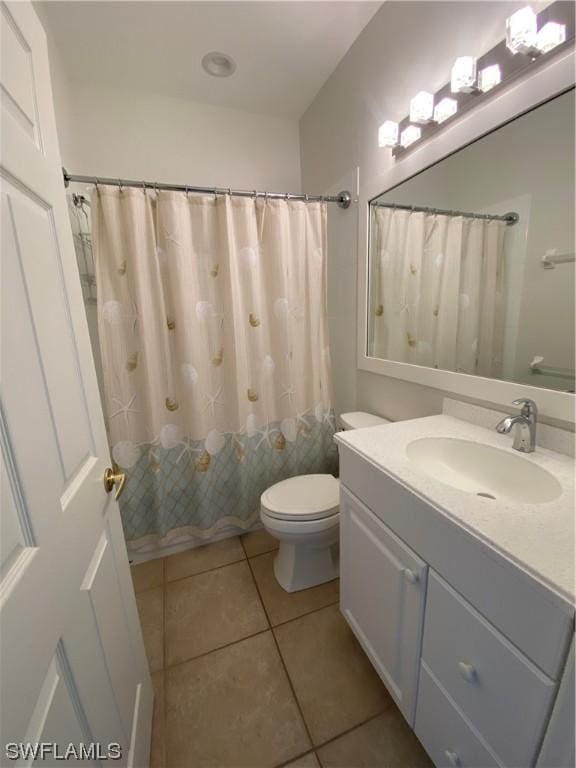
<point>383,590</point>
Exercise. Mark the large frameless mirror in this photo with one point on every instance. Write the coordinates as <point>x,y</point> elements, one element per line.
<point>471,262</point>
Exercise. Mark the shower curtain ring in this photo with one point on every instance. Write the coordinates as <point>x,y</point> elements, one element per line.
<point>306,196</point>
<point>187,192</point>
<point>230,191</point>
<point>156,188</point>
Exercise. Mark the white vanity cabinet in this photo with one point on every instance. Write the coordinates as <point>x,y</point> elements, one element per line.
<point>469,647</point>
<point>383,590</point>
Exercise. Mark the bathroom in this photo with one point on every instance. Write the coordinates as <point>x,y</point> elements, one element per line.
<point>288,384</point>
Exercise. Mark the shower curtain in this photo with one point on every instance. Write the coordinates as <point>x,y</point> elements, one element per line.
<point>437,293</point>
<point>214,342</point>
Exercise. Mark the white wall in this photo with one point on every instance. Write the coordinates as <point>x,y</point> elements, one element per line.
<point>141,135</point>
<point>145,135</point>
<point>407,47</point>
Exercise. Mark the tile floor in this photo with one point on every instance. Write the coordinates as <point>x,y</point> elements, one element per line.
<point>248,676</point>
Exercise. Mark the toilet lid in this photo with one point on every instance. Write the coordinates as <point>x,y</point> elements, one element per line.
<point>306,497</point>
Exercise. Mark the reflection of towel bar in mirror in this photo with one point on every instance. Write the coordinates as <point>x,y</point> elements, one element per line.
<point>549,370</point>
<point>551,258</point>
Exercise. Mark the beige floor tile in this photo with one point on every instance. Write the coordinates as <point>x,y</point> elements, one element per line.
<point>157,759</point>
<point>232,708</point>
<point>335,683</point>
<point>257,542</point>
<point>210,610</point>
<point>151,609</point>
<point>282,606</point>
<point>306,761</point>
<point>385,742</point>
<point>201,559</point>
<point>147,575</point>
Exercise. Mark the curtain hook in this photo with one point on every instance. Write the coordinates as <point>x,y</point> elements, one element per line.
<point>187,192</point>
<point>230,191</point>
<point>120,185</point>
<point>156,188</point>
<point>255,193</point>
<point>307,196</point>
<point>144,187</point>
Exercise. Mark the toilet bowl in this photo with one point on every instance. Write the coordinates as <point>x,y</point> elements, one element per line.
<point>303,514</point>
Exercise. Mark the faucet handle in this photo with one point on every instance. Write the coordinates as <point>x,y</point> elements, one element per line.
<point>529,407</point>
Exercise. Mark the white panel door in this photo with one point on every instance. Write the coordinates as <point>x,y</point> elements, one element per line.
<point>73,666</point>
<point>382,596</point>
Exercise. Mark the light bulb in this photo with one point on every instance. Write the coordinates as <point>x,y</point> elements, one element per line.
<point>422,107</point>
<point>388,134</point>
<point>489,77</point>
<point>463,76</point>
<point>445,109</point>
<point>409,135</point>
<point>521,31</point>
<point>551,35</point>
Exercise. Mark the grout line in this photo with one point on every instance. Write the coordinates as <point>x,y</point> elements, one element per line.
<point>219,648</point>
<point>315,748</point>
<point>206,570</point>
<point>307,613</point>
<point>296,700</point>
<point>254,634</point>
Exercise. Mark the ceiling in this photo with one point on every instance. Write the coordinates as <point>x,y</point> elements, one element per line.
<point>284,51</point>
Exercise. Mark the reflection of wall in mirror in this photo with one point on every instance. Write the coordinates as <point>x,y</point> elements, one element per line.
<point>529,171</point>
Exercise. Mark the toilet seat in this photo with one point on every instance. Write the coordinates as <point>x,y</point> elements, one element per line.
<point>305,497</point>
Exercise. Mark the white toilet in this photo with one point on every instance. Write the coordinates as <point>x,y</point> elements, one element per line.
<point>303,514</point>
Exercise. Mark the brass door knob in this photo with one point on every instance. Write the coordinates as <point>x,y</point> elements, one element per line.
<point>113,477</point>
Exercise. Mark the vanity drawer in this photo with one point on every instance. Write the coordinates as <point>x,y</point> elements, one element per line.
<point>496,687</point>
<point>444,733</point>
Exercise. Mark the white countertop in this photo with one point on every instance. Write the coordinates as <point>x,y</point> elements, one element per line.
<point>539,538</point>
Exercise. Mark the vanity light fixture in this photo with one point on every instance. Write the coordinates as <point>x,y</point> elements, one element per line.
<point>521,31</point>
<point>409,135</point>
<point>473,78</point>
<point>489,77</point>
<point>422,108</point>
<point>463,76</point>
<point>551,35</point>
<point>445,109</point>
<point>388,134</point>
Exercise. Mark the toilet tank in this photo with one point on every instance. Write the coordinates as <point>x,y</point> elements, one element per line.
<point>359,419</point>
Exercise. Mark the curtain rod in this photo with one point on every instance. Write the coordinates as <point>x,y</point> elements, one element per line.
<point>343,199</point>
<point>510,218</point>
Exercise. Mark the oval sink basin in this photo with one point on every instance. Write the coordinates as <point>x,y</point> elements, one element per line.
<point>483,470</point>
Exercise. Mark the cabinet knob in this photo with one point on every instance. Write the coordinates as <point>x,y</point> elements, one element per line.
<point>411,576</point>
<point>468,671</point>
<point>452,758</point>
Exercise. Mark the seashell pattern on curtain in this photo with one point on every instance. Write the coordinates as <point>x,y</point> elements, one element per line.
<point>216,366</point>
<point>438,290</point>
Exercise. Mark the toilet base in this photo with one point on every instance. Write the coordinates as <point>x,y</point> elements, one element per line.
<point>297,566</point>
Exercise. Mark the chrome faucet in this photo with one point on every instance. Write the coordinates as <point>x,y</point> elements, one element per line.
<point>524,425</point>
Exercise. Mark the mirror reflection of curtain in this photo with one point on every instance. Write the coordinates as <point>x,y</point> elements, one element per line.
<point>437,295</point>
<point>213,331</point>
